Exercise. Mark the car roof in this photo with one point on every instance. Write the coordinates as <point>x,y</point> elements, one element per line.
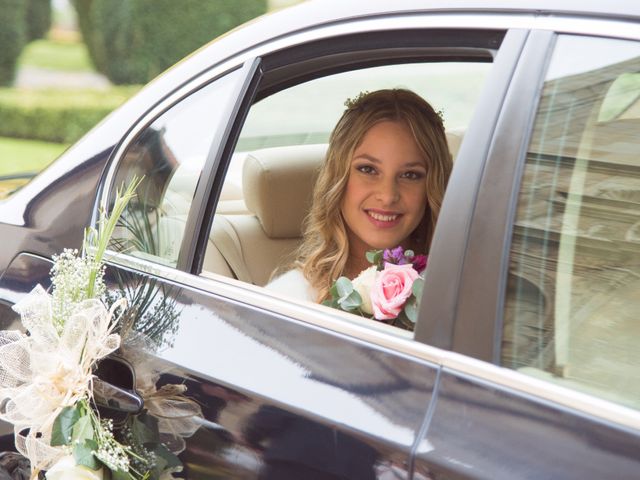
<point>320,12</point>
<point>314,13</point>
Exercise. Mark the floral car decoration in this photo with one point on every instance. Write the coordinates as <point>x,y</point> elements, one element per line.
<point>48,383</point>
<point>388,291</point>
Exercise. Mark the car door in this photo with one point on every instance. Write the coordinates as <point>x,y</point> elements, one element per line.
<point>547,290</point>
<point>287,389</point>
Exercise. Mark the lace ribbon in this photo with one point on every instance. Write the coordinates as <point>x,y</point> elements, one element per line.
<point>178,416</point>
<point>44,371</point>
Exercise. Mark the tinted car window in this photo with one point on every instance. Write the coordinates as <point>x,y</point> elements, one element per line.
<point>169,155</point>
<point>572,302</point>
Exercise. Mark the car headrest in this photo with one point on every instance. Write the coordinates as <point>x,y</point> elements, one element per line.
<point>278,186</point>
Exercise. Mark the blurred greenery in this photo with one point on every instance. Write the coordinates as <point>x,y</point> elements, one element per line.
<point>56,55</point>
<point>38,18</point>
<point>23,158</point>
<point>13,36</point>
<point>61,115</point>
<point>132,41</point>
<point>19,156</point>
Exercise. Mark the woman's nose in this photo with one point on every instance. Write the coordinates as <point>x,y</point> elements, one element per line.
<point>388,192</point>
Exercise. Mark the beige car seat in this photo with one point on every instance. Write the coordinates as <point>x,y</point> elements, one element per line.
<point>277,184</point>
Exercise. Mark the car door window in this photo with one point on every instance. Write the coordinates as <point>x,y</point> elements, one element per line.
<point>571,311</point>
<point>251,236</point>
<point>168,155</point>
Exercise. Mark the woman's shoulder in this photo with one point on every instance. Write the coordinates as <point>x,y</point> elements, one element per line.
<point>294,284</point>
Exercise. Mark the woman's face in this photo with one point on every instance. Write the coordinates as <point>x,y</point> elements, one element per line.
<point>386,194</point>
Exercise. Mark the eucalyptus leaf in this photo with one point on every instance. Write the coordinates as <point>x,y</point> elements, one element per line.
<point>344,288</point>
<point>334,292</point>
<point>62,430</point>
<point>374,256</point>
<point>403,321</point>
<point>418,287</point>
<point>353,301</point>
<point>411,310</point>
<point>83,454</point>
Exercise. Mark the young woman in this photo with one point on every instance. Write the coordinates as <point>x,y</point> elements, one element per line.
<point>381,186</point>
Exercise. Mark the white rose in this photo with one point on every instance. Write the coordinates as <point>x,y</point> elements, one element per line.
<point>363,284</point>
<point>66,469</point>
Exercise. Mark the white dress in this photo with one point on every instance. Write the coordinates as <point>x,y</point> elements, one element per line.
<point>293,284</point>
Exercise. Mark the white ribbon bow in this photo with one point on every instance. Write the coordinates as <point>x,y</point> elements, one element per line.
<point>44,371</point>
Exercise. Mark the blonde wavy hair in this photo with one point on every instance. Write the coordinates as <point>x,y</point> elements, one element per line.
<point>324,251</point>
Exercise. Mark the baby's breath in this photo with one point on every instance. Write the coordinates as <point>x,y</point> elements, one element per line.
<point>110,451</point>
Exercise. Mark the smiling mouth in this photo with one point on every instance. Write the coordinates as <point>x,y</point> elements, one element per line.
<point>383,217</point>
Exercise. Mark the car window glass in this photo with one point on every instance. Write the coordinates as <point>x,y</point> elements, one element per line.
<point>169,156</point>
<point>267,191</point>
<point>571,306</point>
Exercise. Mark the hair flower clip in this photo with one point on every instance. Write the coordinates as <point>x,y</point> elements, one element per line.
<point>353,102</point>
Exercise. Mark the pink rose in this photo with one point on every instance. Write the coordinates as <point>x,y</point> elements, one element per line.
<point>391,290</point>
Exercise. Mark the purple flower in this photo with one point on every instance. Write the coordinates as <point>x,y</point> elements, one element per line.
<point>395,256</point>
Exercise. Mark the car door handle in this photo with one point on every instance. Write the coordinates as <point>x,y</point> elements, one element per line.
<point>116,398</point>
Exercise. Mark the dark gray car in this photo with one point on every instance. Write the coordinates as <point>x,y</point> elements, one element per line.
<point>524,362</point>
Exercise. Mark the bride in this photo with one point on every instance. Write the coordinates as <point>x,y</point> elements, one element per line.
<point>380,187</point>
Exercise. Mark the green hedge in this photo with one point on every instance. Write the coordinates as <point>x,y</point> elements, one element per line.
<point>13,36</point>
<point>83,10</point>
<point>61,116</point>
<point>132,41</point>
<point>38,18</point>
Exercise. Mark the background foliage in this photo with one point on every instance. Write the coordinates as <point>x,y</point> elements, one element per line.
<point>38,18</point>
<point>132,41</point>
<point>56,116</point>
<point>13,36</point>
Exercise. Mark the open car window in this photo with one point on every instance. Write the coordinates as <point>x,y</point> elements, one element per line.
<point>267,189</point>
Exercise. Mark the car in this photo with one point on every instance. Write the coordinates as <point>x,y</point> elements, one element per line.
<point>524,360</point>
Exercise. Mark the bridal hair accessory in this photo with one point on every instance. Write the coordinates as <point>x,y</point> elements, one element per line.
<point>48,376</point>
<point>388,291</point>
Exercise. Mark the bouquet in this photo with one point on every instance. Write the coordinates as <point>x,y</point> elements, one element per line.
<point>48,382</point>
<point>388,291</point>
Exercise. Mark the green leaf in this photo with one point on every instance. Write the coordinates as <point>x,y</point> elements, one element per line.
<point>418,287</point>
<point>144,429</point>
<point>120,475</point>
<point>334,292</point>
<point>62,431</point>
<point>374,256</point>
<point>83,429</point>
<point>83,454</point>
<point>352,301</point>
<point>411,310</point>
<point>172,461</point>
<point>344,287</point>
<point>403,321</point>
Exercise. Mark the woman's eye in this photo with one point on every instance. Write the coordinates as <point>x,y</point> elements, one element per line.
<point>368,169</point>
<point>413,175</point>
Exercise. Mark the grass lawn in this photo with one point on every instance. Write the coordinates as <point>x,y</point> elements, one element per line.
<point>26,156</point>
<point>56,54</point>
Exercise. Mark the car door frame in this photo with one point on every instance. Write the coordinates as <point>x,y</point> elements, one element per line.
<point>481,296</point>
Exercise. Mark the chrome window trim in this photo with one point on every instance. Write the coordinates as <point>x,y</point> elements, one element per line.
<point>389,338</point>
<point>485,21</point>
